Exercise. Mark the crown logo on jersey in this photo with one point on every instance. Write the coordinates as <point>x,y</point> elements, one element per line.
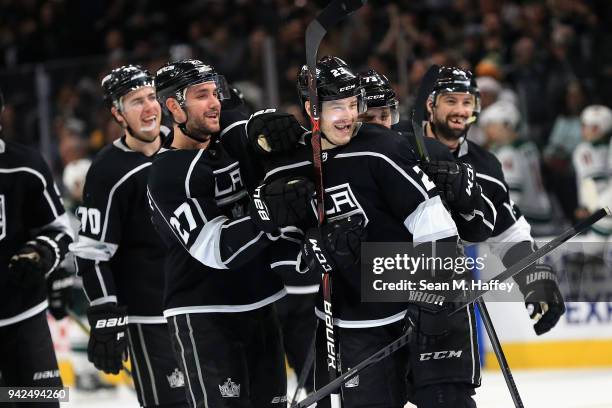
<point>230,389</point>
<point>353,382</point>
<point>176,379</point>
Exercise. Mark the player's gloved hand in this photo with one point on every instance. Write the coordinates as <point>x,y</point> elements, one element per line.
<point>280,203</point>
<point>429,322</point>
<point>273,132</point>
<point>28,267</point>
<point>543,298</point>
<point>59,287</point>
<point>107,347</point>
<point>337,245</point>
<point>456,182</point>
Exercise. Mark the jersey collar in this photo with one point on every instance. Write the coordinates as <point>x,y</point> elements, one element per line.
<point>463,149</point>
<point>120,144</point>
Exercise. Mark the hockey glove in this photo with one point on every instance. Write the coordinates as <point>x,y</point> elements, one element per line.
<point>273,132</point>
<point>107,347</point>
<point>543,298</point>
<point>455,181</point>
<point>430,322</point>
<point>28,267</point>
<point>283,202</point>
<point>336,245</point>
<point>59,287</point>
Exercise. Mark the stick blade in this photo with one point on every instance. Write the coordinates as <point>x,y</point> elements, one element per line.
<point>334,12</point>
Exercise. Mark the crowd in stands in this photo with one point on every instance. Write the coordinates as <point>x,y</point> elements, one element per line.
<point>551,58</point>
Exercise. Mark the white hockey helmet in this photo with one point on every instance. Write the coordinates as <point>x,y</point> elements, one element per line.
<point>597,115</point>
<point>503,112</point>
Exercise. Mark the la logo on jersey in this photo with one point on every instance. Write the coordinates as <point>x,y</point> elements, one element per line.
<point>340,202</point>
<point>228,185</point>
<point>2,217</point>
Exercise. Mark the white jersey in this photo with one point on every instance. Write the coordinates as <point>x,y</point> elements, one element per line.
<point>593,165</point>
<point>521,166</point>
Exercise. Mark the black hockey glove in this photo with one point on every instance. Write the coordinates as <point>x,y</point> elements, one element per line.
<point>337,245</point>
<point>28,267</point>
<point>543,298</point>
<point>107,347</point>
<point>456,182</point>
<point>273,132</point>
<point>430,322</point>
<point>59,291</point>
<point>283,202</point>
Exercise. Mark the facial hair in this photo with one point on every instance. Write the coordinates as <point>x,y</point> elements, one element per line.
<point>197,126</point>
<point>444,131</point>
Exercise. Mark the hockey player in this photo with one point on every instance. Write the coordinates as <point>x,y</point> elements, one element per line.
<point>34,236</point>
<point>119,254</point>
<point>520,160</point>
<point>592,161</point>
<point>452,106</point>
<point>372,188</point>
<point>220,289</point>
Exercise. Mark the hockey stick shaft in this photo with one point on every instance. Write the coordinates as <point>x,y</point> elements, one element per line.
<point>463,300</point>
<point>418,110</point>
<point>75,318</point>
<point>308,363</point>
<point>316,30</point>
<point>499,354</point>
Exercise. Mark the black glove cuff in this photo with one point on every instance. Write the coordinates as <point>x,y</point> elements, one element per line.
<point>314,253</point>
<point>107,318</point>
<point>49,252</point>
<point>260,214</point>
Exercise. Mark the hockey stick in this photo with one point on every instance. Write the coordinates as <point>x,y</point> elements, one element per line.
<point>463,300</point>
<point>75,318</point>
<point>335,11</point>
<point>316,30</point>
<point>418,109</point>
<point>499,354</point>
<point>418,116</point>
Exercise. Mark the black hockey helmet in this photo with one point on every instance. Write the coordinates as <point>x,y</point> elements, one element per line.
<point>456,80</point>
<point>173,79</point>
<point>379,93</point>
<point>335,80</point>
<point>236,99</point>
<point>120,81</point>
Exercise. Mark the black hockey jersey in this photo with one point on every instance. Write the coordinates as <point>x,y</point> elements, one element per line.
<point>375,175</point>
<point>476,226</point>
<point>119,254</point>
<point>510,226</point>
<point>30,206</point>
<point>218,260</point>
